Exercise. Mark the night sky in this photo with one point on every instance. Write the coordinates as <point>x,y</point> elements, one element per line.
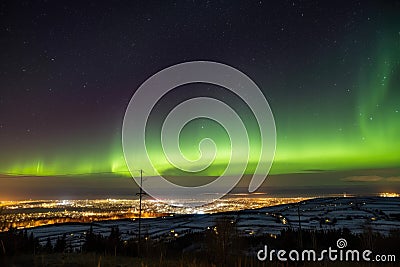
<point>330,71</point>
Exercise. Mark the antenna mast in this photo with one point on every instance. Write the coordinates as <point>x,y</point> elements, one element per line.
<point>140,210</point>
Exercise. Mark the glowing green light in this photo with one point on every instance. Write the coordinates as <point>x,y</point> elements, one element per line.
<point>364,132</point>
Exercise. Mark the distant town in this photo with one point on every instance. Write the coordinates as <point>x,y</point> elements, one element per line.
<point>33,213</point>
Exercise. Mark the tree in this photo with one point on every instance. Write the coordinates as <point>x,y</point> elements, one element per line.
<point>61,244</point>
<point>48,247</point>
<point>222,239</point>
<point>114,240</point>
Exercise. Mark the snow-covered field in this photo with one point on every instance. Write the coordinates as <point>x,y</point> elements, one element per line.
<point>355,213</point>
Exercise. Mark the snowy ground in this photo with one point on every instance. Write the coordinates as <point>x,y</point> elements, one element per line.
<point>355,213</point>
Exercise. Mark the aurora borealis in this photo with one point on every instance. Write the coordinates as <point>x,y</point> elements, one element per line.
<point>330,71</point>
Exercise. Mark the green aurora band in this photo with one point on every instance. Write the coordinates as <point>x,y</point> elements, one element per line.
<point>360,133</point>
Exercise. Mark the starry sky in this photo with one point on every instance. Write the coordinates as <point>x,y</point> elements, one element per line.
<point>329,69</point>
